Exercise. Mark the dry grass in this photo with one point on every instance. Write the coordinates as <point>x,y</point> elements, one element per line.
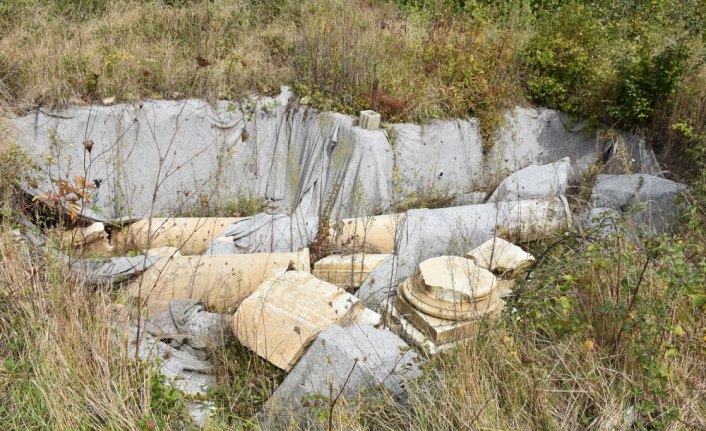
<point>61,365</point>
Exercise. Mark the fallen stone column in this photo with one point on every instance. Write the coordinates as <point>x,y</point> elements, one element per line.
<point>220,282</point>
<point>367,234</point>
<point>191,236</point>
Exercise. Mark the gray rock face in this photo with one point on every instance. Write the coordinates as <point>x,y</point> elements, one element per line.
<point>295,157</point>
<point>536,182</point>
<point>381,283</point>
<point>346,361</point>
<point>540,136</point>
<point>649,201</point>
<point>630,154</point>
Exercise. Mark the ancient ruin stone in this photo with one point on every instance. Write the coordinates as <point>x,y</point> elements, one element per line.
<point>449,287</point>
<point>347,271</point>
<point>446,297</point>
<point>346,360</point>
<point>500,256</point>
<point>367,234</point>
<point>220,282</point>
<point>191,236</point>
<point>286,313</point>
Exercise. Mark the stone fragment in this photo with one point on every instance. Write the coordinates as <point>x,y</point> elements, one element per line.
<point>287,311</point>
<point>446,297</point>
<point>369,120</point>
<point>348,361</point>
<point>191,236</point>
<point>630,154</point>
<point>535,182</point>
<point>347,271</point>
<point>107,101</point>
<point>500,256</point>
<point>450,287</point>
<point>650,202</point>
<point>221,282</point>
<point>400,325</point>
<point>186,322</point>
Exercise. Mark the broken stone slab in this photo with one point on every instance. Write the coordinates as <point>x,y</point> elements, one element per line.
<point>650,202</point>
<point>114,270</point>
<point>191,236</point>
<point>286,313</point>
<point>221,282</point>
<point>266,233</point>
<point>536,182</point>
<point>347,271</point>
<point>367,234</point>
<point>500,256</point>
<point>351,361</point>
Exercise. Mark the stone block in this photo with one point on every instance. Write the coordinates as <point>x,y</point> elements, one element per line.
<point>349,361</point>
<point>369,120</point>
<point>367,234</point>
<point>536,182</point>
<point>443,331</point>
<point>286,313</point>
<point>348,271</point>
<point>500,256</point>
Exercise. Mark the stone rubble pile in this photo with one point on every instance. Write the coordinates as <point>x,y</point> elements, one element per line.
<point>413,277</point>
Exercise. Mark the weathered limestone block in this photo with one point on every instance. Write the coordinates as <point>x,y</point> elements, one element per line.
<point>191,236</point>
<point>649,201</point>
<point>348,271</point>
<point>500,256</point>
<point>346,360</point>
<point>400,325</point>
<point>220,282</point>
<point>286,313</point>
<point>370,120</point>
<point>536,182</point>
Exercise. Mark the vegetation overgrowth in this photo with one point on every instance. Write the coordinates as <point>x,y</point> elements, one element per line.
<point>607,333</point>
